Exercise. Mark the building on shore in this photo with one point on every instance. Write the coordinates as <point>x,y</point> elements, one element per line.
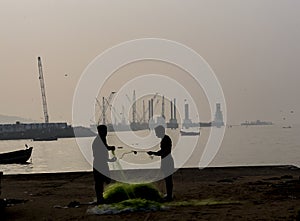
<point>41,131</point>
<point>173,124</point>
<point>218,121</point>
<point>187,122</point>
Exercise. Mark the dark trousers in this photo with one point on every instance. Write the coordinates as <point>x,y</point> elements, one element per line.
<point>99,185</point>
<point>169,186</point>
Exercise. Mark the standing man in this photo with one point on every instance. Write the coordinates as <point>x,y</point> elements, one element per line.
<point>167,162</point>
<point>100,163</point>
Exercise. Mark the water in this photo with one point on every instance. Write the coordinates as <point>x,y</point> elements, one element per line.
<point>241,146</point>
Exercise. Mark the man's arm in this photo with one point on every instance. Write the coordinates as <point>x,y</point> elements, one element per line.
<point>165,148</point>
<point>112,148</point>
<point>158,153</point>
<point>108,147</point>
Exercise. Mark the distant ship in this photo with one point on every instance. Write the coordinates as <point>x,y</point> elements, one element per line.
<point>287,127</point>
<point>42,131</point>
<point>189,133</point>
<point>45,139</point>
<point>255,123</point>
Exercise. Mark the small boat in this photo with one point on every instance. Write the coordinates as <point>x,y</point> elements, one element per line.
<point>287,127</point>
<point>44,138</point>
<point>19,156</point>
<point>189,133</point>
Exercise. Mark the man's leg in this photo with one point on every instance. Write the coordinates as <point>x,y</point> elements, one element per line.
<point>99,191</point>
<point>99,186</point>
<point>169,187</point>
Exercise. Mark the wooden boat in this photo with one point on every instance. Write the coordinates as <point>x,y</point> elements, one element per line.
<point>189,133</point>
<point>19,156</point>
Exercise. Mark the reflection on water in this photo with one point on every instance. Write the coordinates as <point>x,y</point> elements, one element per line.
<point>11,168</point>
<point>261,145</point>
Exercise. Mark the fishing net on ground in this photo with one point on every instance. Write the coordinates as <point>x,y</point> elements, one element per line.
<point>122,197</point>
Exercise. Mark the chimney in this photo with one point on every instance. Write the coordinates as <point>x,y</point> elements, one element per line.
<point>171,109</point>
<point>149,109</point>
<point>175,108</point>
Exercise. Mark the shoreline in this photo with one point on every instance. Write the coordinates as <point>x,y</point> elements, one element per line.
<point>271,166</point>
<point>263,192</point>
<point>266,166</point>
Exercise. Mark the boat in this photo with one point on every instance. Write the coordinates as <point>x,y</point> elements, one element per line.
<point>19,156</point>
<point>287,127</point>
<point>189,133</point>
<point>44,139</point>
<point>256,123</point>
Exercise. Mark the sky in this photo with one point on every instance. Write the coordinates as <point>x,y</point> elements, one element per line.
<point>252,46</point>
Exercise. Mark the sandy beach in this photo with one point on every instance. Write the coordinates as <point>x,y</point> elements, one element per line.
<point>251,193</point>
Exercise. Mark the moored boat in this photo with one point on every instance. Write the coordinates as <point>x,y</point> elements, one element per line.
<point>19,156</point>
<point>44,139</point>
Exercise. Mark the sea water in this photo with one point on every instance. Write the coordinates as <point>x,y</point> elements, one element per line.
<point>241,146</point>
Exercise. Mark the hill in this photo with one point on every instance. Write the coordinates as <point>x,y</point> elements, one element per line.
<point>4,119</point>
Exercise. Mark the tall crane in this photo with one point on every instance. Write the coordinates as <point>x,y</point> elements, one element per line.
<point>42,83</point>
<point>133,107</point>
<point>135,113</point>
<point>163,107</point>
<point>106,103</point>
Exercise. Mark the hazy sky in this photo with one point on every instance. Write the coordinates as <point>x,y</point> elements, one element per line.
<point>252,45</point>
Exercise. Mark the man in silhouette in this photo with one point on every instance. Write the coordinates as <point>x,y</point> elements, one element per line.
<point>100,163</point>
<point>167,162</point>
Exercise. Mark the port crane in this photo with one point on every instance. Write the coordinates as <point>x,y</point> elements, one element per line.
<point>42,83</point>
<point>136,116</point>
<point>104,107</point>
<point>132,102</point>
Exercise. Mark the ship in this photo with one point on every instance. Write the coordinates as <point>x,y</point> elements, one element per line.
<point>189,133</point>
<point>42,131</point>
<point>256,123</point>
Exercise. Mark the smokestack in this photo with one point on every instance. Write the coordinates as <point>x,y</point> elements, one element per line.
<point>163,107</point>
<point>144,116</point>
<point>186,107</point>
<point>171,109</point>
<point>149,109</point>
<point>175,108</point>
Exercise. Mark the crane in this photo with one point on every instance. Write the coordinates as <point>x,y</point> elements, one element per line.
<point>105,104</point>
<point>42,83</point>
<point>136,116</point>
<point>134,107</point>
